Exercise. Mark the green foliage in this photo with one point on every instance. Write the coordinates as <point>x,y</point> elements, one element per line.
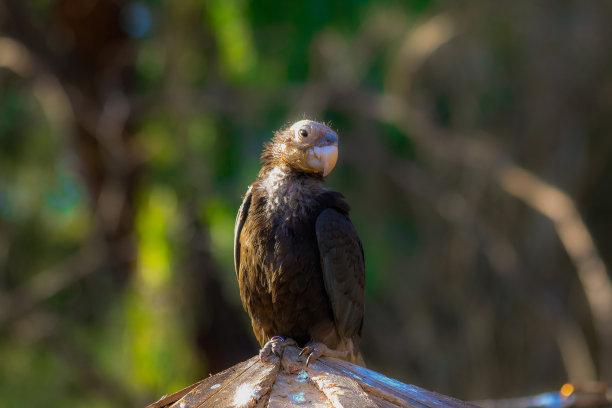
<point>51,376</point>
<point>233,33</point>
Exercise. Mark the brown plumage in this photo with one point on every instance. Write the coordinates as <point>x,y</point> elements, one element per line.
<point>298,258</point>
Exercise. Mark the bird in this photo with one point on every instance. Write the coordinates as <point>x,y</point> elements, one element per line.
<point>298,258</point>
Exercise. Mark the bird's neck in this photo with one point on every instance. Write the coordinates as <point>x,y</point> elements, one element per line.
<point>287,191</point>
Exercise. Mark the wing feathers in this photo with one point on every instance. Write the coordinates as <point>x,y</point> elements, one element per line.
<point>343,270</point>
<point>240,219</point>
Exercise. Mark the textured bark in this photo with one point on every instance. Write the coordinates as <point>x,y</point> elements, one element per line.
<point>328,383</point>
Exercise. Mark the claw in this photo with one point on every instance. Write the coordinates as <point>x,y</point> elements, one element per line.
<point>312,352</point>
<point>275,346</point>
<point>315,350</point>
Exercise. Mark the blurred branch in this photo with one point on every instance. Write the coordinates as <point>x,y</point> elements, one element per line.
<point>575,351</point>
<point>15,57</point>
<point>45,86</point>
<point>22,27</point>
<point>548,200</point>
<point>416,47</point>
<point>48,283</point>
<point>503,258</point>
<point>453,206</point>
<point>573,233</point>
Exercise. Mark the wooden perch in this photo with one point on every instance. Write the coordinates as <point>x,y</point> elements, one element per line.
<point>289,383</point>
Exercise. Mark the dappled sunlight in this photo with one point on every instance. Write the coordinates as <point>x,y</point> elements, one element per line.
<point>155,334</point>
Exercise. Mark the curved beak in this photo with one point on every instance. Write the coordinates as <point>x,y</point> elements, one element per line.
<point>324,155</point>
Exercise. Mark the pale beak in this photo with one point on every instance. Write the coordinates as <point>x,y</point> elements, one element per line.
<point>322,158</point>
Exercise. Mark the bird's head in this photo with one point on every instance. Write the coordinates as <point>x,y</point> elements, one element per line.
<point>306,146</point>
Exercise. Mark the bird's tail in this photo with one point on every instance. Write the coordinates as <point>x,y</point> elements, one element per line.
<point>354,355</point>
<point>357,358</point>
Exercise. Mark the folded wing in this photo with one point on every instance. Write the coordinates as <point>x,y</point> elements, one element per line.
<point>343,267</point>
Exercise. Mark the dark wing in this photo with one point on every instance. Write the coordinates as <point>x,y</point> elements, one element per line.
<point>240,219</point>
<point>343,270</point>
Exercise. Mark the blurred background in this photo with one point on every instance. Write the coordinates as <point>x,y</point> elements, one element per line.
<point>475,152</point>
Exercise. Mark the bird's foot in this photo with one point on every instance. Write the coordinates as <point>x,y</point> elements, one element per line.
<point>313,351</point>
<point>275,347</point>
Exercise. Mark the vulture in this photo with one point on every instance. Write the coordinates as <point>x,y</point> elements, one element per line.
<point>298,258</point>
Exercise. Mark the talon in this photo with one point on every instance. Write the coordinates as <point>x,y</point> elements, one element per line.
<point>315,350</point>
<point>275,346</point>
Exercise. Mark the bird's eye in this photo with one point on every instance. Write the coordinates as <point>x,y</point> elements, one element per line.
<point>303,133</point>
